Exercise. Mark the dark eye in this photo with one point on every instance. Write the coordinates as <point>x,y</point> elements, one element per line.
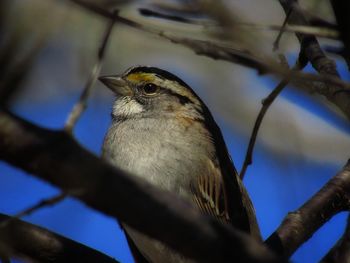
<point>150,89</point>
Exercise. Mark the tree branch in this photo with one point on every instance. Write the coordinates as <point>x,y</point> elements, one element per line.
<point>312,30</point>
<point>24,240</point>
<point>340,253</point>
<point>266,103</point>
<point>45,202</point>
<point>329,84</point>
<point>81,105</point>
<point>56,158</point>
<point>300,225</point>
<point>321,63</point>
<point>342,10</point>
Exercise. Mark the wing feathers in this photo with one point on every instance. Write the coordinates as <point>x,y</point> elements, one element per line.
<point>209,195</point>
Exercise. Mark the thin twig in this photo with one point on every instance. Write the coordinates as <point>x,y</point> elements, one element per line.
<point>45,202</point>
<point>276,43</point>
<point>266,103</point>
<point>81,105</point>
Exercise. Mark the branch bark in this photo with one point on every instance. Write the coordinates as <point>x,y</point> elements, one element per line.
<point>300,225</point>
<point>24,240</point>
<point>320,62</point>
<point>342,10</point>
<point>340,253</point>
<point>56,158</point>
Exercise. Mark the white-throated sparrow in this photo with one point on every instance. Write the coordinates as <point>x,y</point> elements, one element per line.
<point>163,132</point>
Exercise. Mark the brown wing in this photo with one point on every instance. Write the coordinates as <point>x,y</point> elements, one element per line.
<point>210,196</point>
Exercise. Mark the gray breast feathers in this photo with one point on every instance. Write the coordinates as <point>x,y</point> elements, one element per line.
<point>164,153</point>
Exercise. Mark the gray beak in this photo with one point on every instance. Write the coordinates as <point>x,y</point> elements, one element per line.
<point>117,84</point>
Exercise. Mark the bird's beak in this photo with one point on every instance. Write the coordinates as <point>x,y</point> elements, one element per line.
<point>117,84</point>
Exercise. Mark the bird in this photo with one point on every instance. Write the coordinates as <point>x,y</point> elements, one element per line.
<point>163,132</point>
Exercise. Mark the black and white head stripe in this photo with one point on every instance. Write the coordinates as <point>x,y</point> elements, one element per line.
<point>187,95</point>
<point>158,72</point>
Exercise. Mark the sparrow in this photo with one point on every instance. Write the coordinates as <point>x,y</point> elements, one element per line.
<point>163,132</point>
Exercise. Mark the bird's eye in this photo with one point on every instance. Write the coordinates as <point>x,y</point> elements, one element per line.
<point>150,89</point>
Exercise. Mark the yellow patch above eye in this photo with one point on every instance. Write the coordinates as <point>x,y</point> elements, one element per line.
<point>141,77</point>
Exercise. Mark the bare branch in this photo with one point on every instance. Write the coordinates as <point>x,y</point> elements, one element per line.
<point>13,71</point>
<point>261,64</point>
<point>329,84</point>
<point>58,159</point>
<point>81,105</point>
<point>276,43</point>
<point>313,51</point>
<point>342,11</point>
<point>46,202</point>
<point>299,226</point>
<point>266,104</point>
<point>222,52</point>
<point>324,65</point>
<point>24,240</point>
<point>151,13</point>
<point>308,30</point>
<point>340,253</point>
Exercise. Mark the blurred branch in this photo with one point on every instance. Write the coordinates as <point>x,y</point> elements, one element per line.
<point>262,64</point>
<point>313,51</point>
<point>342,11</point>
<point>300,225</point>
<point>276,43</point>
<point>172,17</point>
<point>13,71</point>
<point>24,240</point>
<point>81,105</point>
<point>327,84</point>
<point>55,157</point>
<point>340,253</point>
<point>309,30</point>
<point>314,19</point>
<point>321,63</point>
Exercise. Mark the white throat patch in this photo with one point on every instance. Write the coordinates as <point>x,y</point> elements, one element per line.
<point>126,106</point>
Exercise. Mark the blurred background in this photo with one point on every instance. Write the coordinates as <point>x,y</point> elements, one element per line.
<point>52,46</point>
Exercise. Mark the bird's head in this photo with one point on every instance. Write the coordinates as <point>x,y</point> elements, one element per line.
<point>150,91</point>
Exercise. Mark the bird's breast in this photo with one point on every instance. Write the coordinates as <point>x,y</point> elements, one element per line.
<point>166,153</point>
